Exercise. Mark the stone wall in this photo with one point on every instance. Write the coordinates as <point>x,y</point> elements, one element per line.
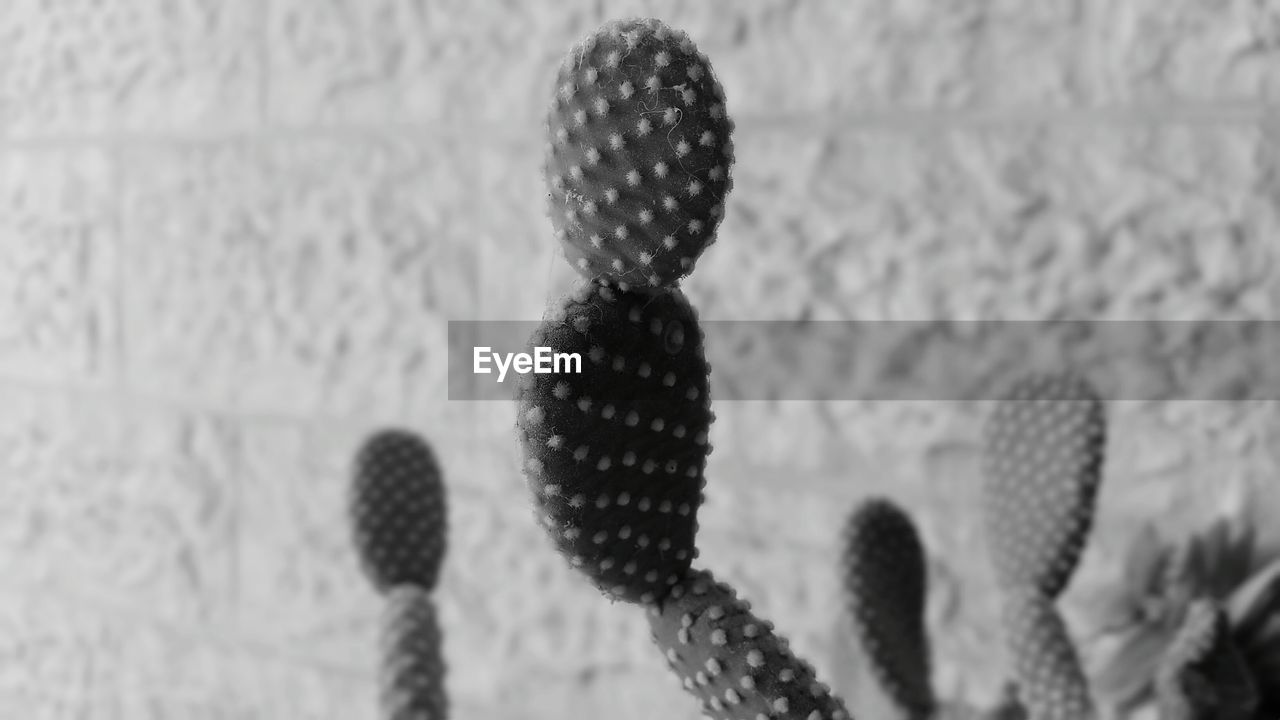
<point>232,233</point>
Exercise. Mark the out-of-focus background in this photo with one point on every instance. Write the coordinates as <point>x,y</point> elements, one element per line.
<point>232,232</point>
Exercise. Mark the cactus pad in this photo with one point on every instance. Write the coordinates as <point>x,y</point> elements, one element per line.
<point>1043,459</point>
<point>885,583</point>
<point>615,455</point>
<point>397,510</point>
<point>1051,681</point>
<point>731,660</point>
<point>638,154</point>
<point>412,682</point>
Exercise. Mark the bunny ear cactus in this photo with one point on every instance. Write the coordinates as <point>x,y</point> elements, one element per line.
<point>732,660</point>
<point>885,581</point>
<point>1043,460</point>
<point>413,667</point>
<point>397,511</point>
<point>1051,681</point>
<point>398,516</point>
<point>638,154</point>
<point>615,455</point>
<point>1202,675</point>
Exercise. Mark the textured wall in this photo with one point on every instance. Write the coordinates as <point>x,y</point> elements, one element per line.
<point>231,233</point>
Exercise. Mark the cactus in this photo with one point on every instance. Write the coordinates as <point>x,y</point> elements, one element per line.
<point>1051,682</point>
<point>1202,675</point>
<point>1043,462</point>
<point>397,511</point>
<point>1043,456</point>
<point>615,455</point>
<point>413,668</point>
<point>885,585</point>
<point>733,661</point>
<point>638,166</point>
<point>398,515</point>
<point>638,155</point>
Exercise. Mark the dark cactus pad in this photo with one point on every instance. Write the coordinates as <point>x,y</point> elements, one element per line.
<point>732,661</point>
<point>397,511</point>
<point>885,584</point>
<point>1202,675</point>
<point>1043,459</point>
<point>615,455</point>
<point>1051,681</point>
<point>638,154</point>
<point>412,682</point>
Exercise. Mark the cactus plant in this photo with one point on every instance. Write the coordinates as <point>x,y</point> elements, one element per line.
<point>1051,681</point>
<point>638,154</point>
<point>732,660</point>
<point>398,516</point>
<point>412,677</point>
<point>1043,459</point>
<point>397,512</point>
<point>1043,456</point>
<point>615,455</point>
<point>885,585</point>
<point>637,167</point>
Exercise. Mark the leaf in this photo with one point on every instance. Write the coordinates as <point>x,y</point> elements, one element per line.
<point>1126,674</point>
<point>1228,551</point>
<point>1254,602</point>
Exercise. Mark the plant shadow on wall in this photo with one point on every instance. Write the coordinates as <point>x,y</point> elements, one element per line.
<point>638,161</point>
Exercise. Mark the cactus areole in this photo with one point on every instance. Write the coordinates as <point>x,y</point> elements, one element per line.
<point>638,154</point>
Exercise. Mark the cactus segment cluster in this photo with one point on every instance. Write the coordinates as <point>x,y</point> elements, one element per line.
<point>885,583</point>
<point>1051,683</point>
<point>397,511</point>
<point>733,661</point>
<point>614,456</point>
<point>1043,459</point>
<point>638,154</point>
<point>413,668</point>
<point>1043,463</point>
<point>1202,675</point>
<point>398,514</point>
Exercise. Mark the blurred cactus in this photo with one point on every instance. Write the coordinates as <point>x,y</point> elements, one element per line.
<point>1051,680</point>
<point>637,168</point>
<point>1043,454</point>
<point>397,511</point>
<point>399,519</point>
<point>885,585</point>
<point>412,671</point>
<point>1043,458</point>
